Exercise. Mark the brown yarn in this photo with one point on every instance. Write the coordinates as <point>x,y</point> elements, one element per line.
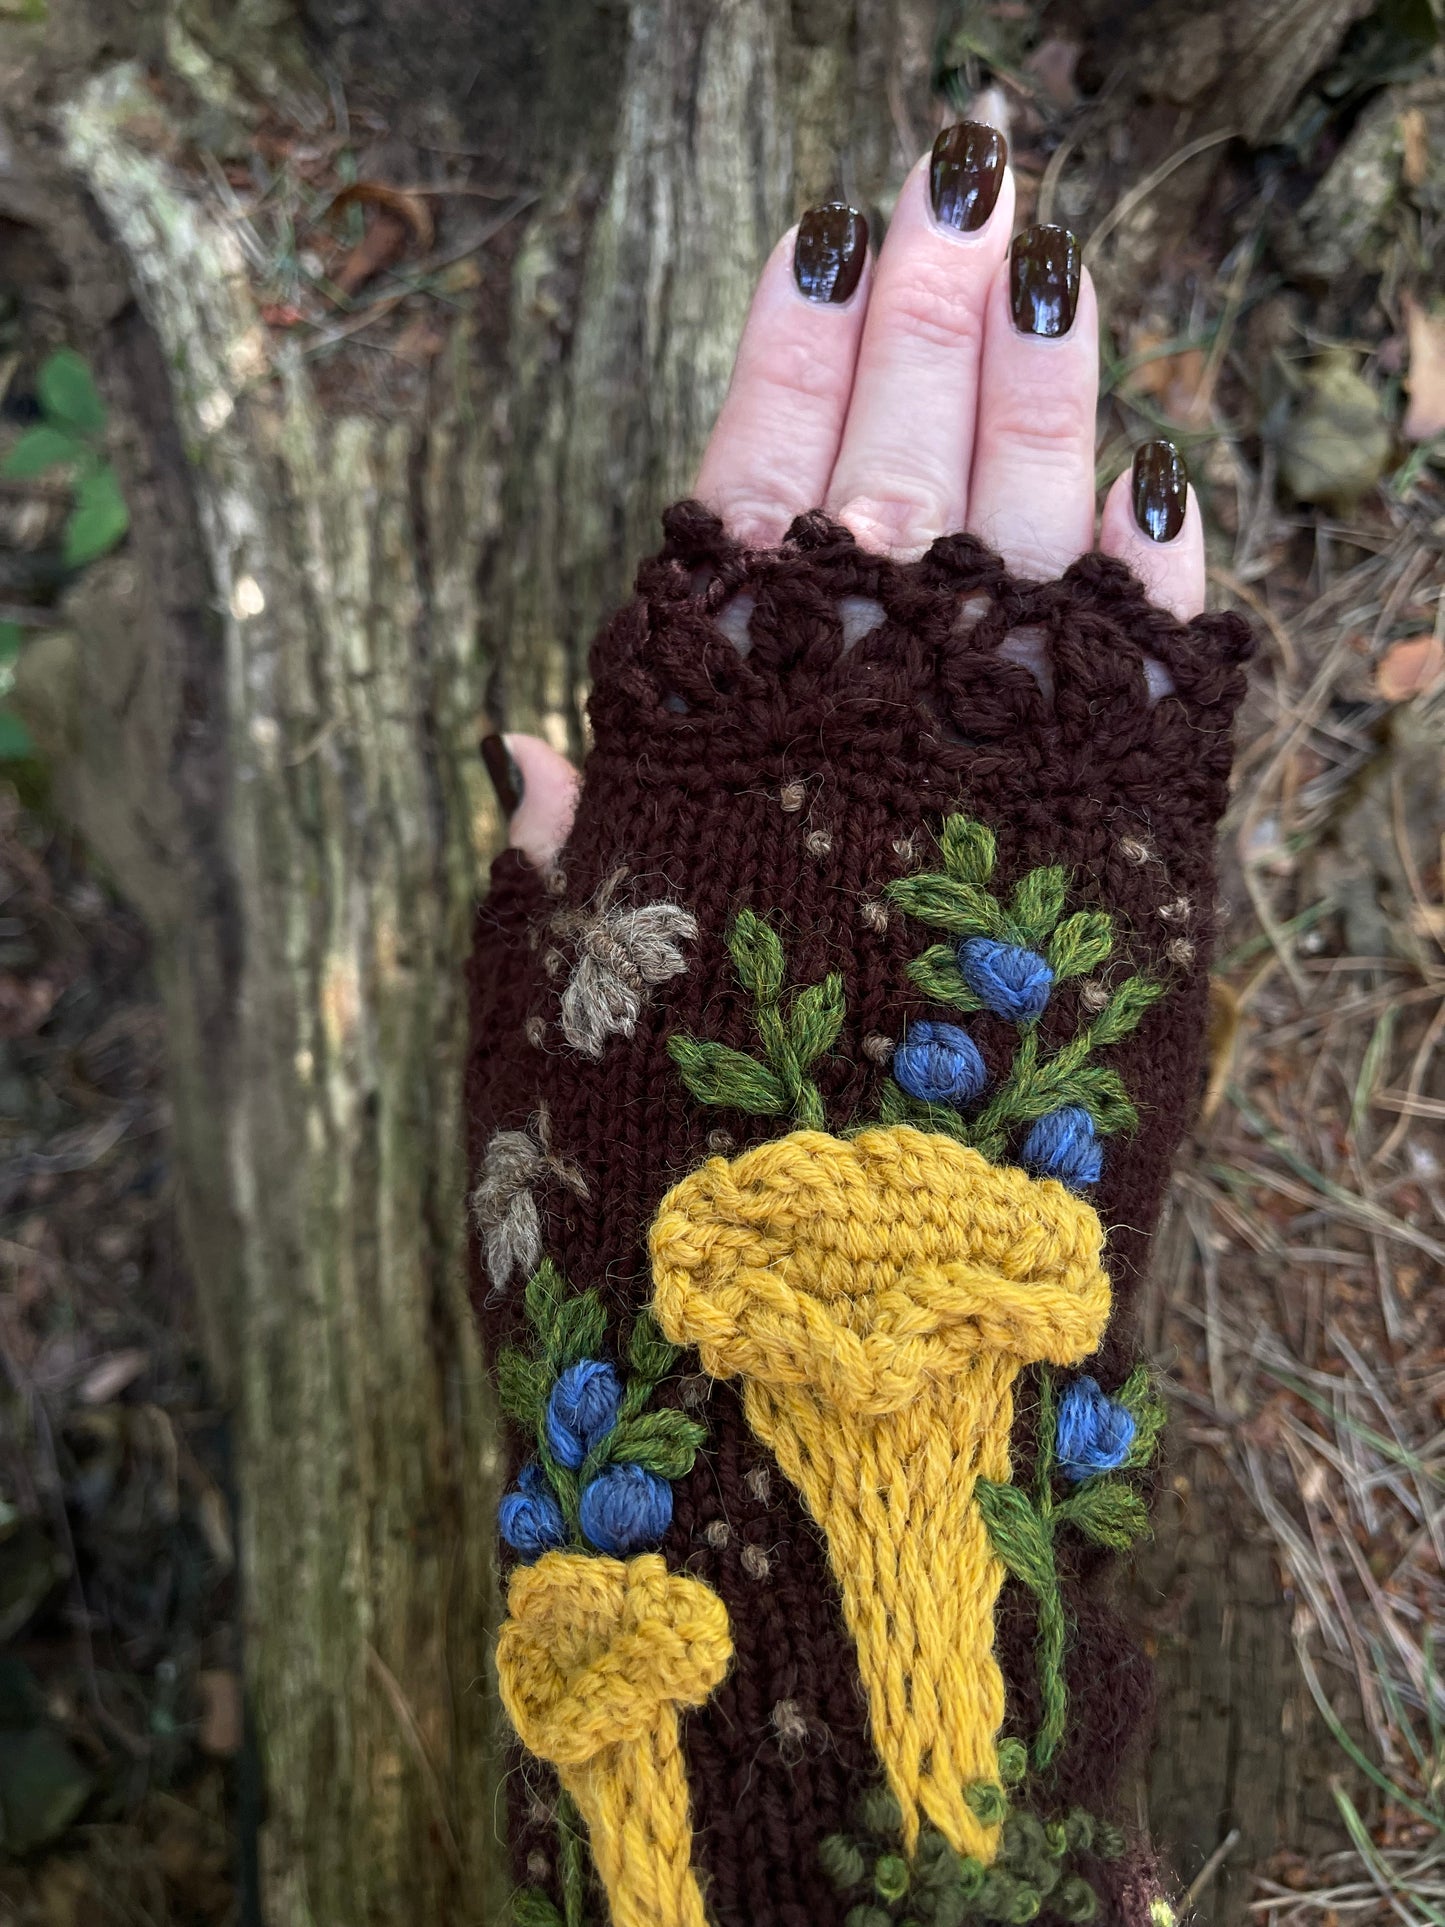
<point>797,778</point>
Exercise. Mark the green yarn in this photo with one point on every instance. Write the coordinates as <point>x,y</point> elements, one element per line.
<point>1021,1529</point>
<point>842,1860</point>
<point>1013,1762</point>
<point>571,1860</point>
<point>890,1877</point>
<point>531,1908</point>
<point>792,1038</point>
<point>986,1801</point>
<point>958,902</point>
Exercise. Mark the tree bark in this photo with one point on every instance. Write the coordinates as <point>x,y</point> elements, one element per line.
<point>261,715</point>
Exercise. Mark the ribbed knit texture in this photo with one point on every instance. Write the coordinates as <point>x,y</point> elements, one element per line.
<point>798,780</point>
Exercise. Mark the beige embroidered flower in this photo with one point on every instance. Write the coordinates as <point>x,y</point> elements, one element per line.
<point>503,1202</point>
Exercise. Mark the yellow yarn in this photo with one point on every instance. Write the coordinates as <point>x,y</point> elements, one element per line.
<point>594,1660</point>
<point>879,1295</point>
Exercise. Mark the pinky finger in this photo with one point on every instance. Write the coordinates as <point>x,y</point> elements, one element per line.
<point>1151,522</point>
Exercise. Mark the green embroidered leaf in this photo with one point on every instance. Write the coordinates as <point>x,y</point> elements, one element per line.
<point>1038,903</point>
<point>758,953</point>
<point>716,1075</point>
<point>531,1908</point>
<point>579,1329</point>
<point>650,1355</point>
<point>1080,944</point>
<point>546,1289</point>
<point>946,904</point>
<point>1108,1512</point>
<point>522,1384</point>
<point>1137,1395</point>
<point>816,1018</point>
<point>1124,1010</point>
<point>895,1106</point>
<point>663,1442</point>
<point>938,976</point>
<point>1017,1533</point>
<point>968,849</point>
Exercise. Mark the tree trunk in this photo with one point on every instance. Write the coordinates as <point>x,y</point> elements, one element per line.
<point>261,715</point>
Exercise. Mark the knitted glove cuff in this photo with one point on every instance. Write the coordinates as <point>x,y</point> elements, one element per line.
<point>916,846</point>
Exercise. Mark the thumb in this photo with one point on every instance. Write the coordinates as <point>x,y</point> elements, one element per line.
<point>537,789</point>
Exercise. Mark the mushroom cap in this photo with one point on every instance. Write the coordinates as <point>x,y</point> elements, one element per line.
<point>864,1268</point>
<point>595,1650</point>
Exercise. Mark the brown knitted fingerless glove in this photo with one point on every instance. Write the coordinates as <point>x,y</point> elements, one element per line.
<point>822,1102</point>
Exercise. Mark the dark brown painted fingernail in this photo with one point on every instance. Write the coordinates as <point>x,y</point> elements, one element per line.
<point>1043,281</point>
<point>966,173</point>
<point>501,766</point>
<point>1161,490</point>
<point>830,250</point>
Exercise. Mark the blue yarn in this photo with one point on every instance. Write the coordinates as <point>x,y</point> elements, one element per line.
<point>1007,979</point>
<point>1063,1145</point>
<point>625,1509</point>
<point>940,1064</point>
<point>1094,1432</point>
<point>582,1410</point>
<point>530,1518</point>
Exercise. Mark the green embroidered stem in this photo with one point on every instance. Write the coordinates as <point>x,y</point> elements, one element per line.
<point>793,1036</point>
<point>571,1861</point>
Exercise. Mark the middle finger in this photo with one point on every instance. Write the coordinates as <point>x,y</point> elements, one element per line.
<point>901,476</point>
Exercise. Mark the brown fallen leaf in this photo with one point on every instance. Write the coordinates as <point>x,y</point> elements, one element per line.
<point>1414,147</point>
<point>222,1721</point>
<point>1409,667</point>
<point>108,1378</point>
<point>397,218</point>
<point>1175,380</point>
<point>1425,376</point>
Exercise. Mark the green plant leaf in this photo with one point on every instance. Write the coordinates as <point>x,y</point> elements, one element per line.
<point>99,519</point>
<point>579,1329</point>
<point>1080,944</point>
<point>1108,1512</point>
<point>816,1019</point>
<point>1124,1010</point>
<point>38,449</point>
<point>938,976</point>
<point>716,1075</point>
<point>757,952</point>
<point>1038,903</point>
<point>969,850</point>
<point>1017,1533</point>
<point>522,1385</point>
<point>542,1299</point>
<point>650,1355</point>
<point>16,744</point>
<point>663,1442</point>
<point>68,394</point>
<point>946,904</point>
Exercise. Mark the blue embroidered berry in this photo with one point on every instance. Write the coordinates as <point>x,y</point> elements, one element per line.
<point>530,1518</point>
<point>582,1410</point>
<point>1007,979</point>
<point>940,1064</point>
<point>1094,1432</point>
<point>1063,1145</point>
<point>626,1509</point>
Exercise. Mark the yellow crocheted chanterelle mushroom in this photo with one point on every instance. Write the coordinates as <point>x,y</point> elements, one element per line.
<point>878,1295</point>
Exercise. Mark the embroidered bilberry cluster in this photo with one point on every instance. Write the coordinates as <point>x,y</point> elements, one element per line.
<point>601,1480</point>
<point>1009,958</point>
<point>1087,1442</point>
<point>1037,1867</point>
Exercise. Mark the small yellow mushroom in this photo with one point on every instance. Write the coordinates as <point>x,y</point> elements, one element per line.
<point>595,1660</point>
<point>878,1296</point>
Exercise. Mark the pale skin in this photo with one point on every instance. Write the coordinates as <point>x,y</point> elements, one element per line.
<point>912,409</point>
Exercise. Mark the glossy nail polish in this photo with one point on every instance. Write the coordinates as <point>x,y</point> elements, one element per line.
<point>1043,281</point>
<point>1160,490</point>
<point>830,250</point>
<point>965,175</point>
<point>501,765</point>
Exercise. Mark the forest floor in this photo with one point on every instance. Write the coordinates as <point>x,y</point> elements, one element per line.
<point>1296,1294</point>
